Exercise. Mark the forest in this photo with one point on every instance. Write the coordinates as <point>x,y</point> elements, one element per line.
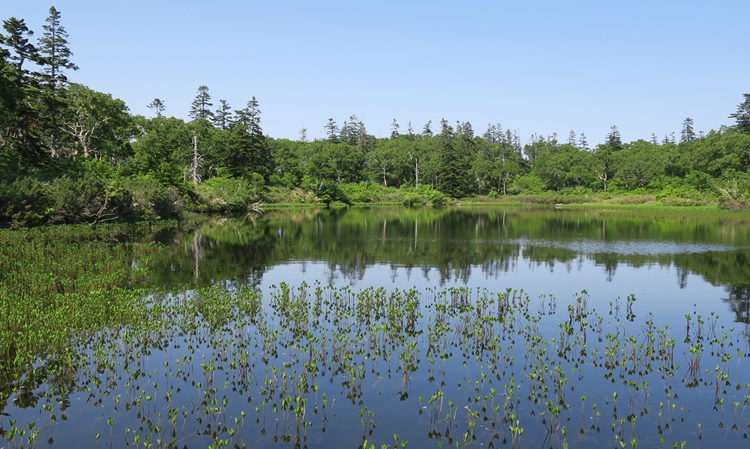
<point>70,154</point>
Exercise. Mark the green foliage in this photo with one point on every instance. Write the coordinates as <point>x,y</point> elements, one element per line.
<point>62,129</point>
<point>23,201</point>
<point>528,183</point>
<point>329,192</point>
<point>151,199</point>
<point>229,194</point>
<point>742,116</point>
<point>564,166</point>
<point>90,198</point>
<point>423,195</point>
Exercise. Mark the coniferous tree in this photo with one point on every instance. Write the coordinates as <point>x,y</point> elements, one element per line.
<point>20,92</point>
<point>583,143</point>
<point>572,138</point>
<point>394,129</point>
<point>157,106</point>
<point>251,152</point>
<point>54,50</point>
<point>687,133</point>
<point>17,40</point>
<point>332,131</point>
<point>742,116</point>
<point>54,60</point>
<point>223,115</point>
<point>350,130</point>
<point>201,104</point>
<point>427,130</point>
<point>452,177</point>
<point>613,139</point>
<point>410,131</point>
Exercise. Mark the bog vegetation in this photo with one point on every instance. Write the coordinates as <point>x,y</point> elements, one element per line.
<point>85,335</point>
<point>72,154</point>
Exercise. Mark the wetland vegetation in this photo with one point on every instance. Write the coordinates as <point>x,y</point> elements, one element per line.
<point>385,327</point>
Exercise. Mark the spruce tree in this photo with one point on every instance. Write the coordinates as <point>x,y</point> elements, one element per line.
<point>54,60</point>
<point>55,53</point>
<point>201,104</point>
<point>742,116</point>
<point>223,115</point>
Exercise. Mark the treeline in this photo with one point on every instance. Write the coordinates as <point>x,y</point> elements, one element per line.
<point>72,154</point>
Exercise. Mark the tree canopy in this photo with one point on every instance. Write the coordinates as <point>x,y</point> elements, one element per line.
<point>52,128</point>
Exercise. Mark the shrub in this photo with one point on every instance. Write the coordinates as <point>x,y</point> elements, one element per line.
<point>330,191</point>
<point>526,184</point>
<point>90,198</point>
<point>423,195</point>
<point>151,199</point>
<point>23,201</point>
<point>222,194</point>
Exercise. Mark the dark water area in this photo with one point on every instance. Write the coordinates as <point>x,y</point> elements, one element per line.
<point>394,327</point>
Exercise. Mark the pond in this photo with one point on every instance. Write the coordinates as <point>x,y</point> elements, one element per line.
<point>393,326</point>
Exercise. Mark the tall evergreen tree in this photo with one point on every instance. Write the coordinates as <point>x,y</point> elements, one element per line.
<point>427,130</point>
<point>17,40</point>
<point>394,129</point>
<point>452,177</point>
<point>201,104</point>
<point>157,106</point>
<point>583,143</point>
<point>19,92</point>
<point>350,130</point>
<point>223,115</point>
<point>251,152</point>
<point>54,60</point>
<point>742,116</point>
<point>332,131</point>
<point>613,139</point>
<point>53,47</point>
<point>572,138</point>
<point>687,133</point>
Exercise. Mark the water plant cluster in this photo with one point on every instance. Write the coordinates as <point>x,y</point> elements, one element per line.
<point>320,366</point>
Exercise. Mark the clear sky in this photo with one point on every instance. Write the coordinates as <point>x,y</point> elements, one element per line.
<point>534,66</point>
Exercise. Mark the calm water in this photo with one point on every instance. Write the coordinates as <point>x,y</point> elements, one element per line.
<point>673,265</point>
<point>591,343</point>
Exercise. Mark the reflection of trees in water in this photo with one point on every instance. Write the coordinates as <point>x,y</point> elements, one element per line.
<point>450,245</point>
<point>739,302</point>
<point>682,276</point>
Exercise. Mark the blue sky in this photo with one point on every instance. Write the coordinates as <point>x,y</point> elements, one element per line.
<point>544,66</point>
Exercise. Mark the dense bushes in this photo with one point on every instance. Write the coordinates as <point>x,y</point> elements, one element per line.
<point>87,198</point>
<point>224,194</point>
<point>23,201</point>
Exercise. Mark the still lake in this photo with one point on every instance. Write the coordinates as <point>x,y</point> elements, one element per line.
<point>429,327</point>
